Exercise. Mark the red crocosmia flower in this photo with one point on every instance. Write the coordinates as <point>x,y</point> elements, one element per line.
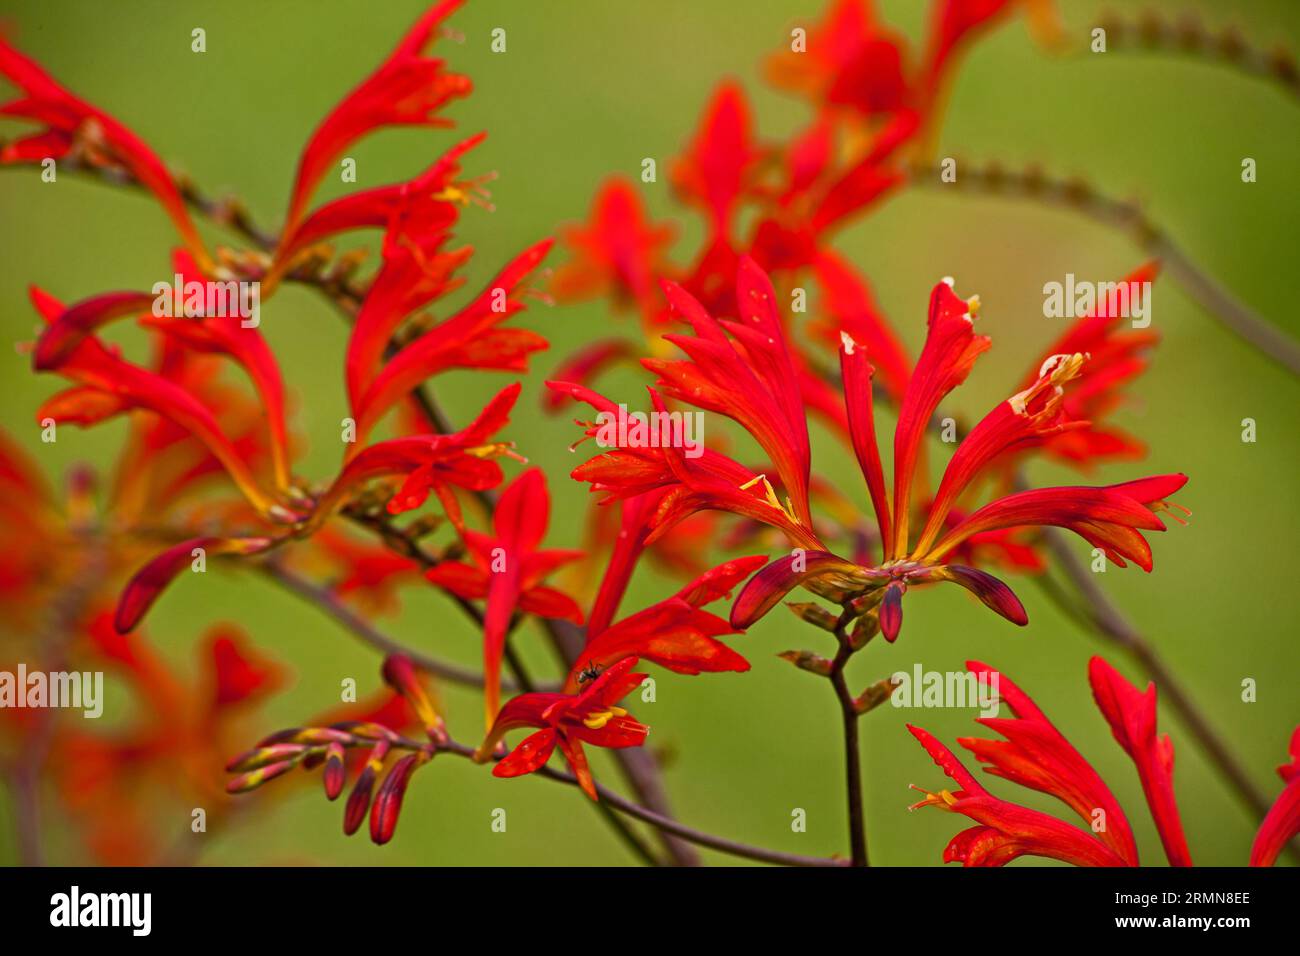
<point>406,90</point>
<point>424,206</point>
<point>618,252</point>
<point>711,481</point>
<point>618,546</point>
<point>229,335</point>
<point>675,633</point>
<point>365,574</point>
<point>470,338</point>
<point>850,308</point>
<point>591,715</point>
<point>1006,831</point>
<point>1115,357</point>
<point>68,346</point>
<point>74,127</point>
<point>1283,819</point>
<point>1008,548</point>
<point>1132,718</point>
<point>744,370</point>
<point>507,572</point>
<point>430,463</point>
<point>30,526</point>
<point>237,674</point>
<point>163,461</point>
<point>1036,755</point>
<point>718,166</point>
<point>851,61</point>
<point>954,23</point>
<point>171,748</point>
<point>1107,517</point>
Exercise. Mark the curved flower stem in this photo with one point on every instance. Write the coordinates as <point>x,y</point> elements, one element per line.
<point>329,604</point>
<point>1097,611</point>
<point>1190,38</point>
<point>1033,185</point>
<point>852,753</point>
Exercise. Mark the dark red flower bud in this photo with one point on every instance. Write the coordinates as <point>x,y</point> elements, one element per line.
<point>335,770</point>
<point>891,611</point>
<point>992,592</point>
<point>255,778</point>
<point>388,802</point>
<point>359,800</point>
<point>261,756</point>
<point>400,674</point>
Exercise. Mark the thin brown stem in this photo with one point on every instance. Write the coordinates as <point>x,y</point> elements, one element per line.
<point>1188,37</point>
<point>852,751</point>
<point>1032,185</point>
<point>1107,620</point>
<point>328,603</point>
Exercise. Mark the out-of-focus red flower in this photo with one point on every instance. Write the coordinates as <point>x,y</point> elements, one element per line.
<point>1115,357</point>
<point>111,779</point>
<point>718,167</point>
<point>366,574</point>
<point>849,308</point>
<point>30,527</point>
<point>851,61</point>
<point>619,252</point>
<point>591,716</point>
<point>71,126</point>
<point>507,570</point>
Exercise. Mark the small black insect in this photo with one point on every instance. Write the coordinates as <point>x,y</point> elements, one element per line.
<point>589,673</point>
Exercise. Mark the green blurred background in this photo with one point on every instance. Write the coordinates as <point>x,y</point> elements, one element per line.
<point>587,89</point>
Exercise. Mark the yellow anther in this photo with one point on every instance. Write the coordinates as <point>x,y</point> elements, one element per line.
<point>598,719</point>
<point>944,800</point>
<point>769,493</point>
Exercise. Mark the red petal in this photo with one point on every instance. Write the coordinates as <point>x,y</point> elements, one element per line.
<point>1282,821</point>
<point>529,754</point>
<point>992,592</point>
<point>951,348</point>
<point>388,801</point>
<point>150,581</point>
<point>1132,718</point>
<point>856,373</point>
<point>775,581</point>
